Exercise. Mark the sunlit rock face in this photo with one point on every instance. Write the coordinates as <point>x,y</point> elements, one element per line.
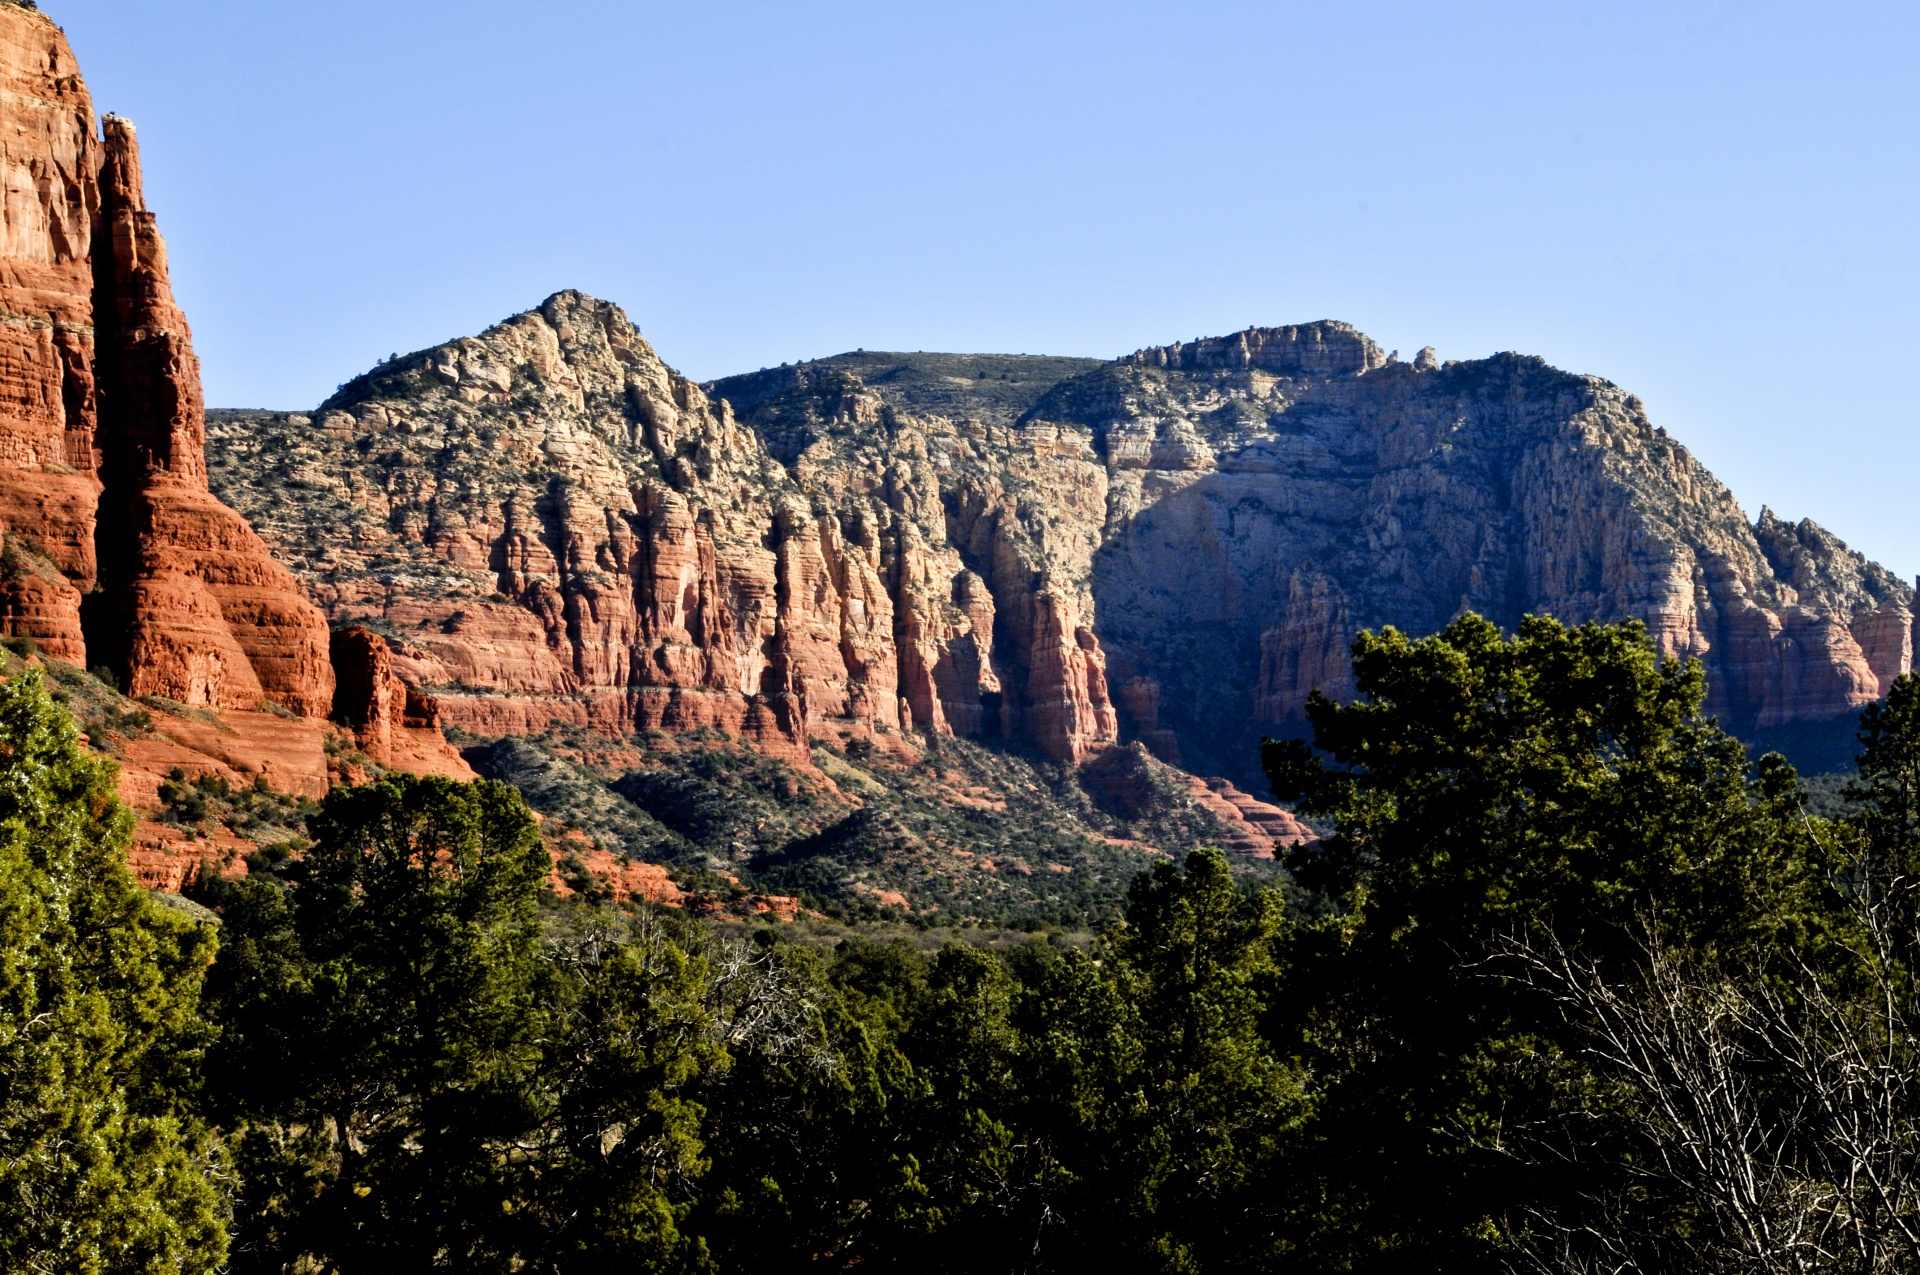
<point>548,523</point>
<point>103,491</point>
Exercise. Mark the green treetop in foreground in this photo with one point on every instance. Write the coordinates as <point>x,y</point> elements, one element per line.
<point>421,1076</point>
<point>1562,899</point>
<point>1573,986</point>
<point>421,1079</point>
<point>103,1164</point>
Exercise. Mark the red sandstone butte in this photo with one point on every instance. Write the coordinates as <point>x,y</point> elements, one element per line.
<point>103,481</point>
<point>195,608</point>
<point>49,488</point>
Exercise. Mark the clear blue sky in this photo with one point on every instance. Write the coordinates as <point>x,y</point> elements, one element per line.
<point>1712,204</point>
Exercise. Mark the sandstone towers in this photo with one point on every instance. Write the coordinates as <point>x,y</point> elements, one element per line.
<point>115,552</point>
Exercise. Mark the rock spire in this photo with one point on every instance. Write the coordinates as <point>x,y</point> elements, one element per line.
<point>115,552</point>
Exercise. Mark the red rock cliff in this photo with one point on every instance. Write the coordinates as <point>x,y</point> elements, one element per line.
<point>395,725</point>
<point>49,200</point>
<point>193,606</point>
<point>555,526</point>
<point>100,393</point>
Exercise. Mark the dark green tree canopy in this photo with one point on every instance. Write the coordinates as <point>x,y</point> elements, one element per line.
<point>1559,785</point>
<point>423,1079</point>
<point>1563,776</point>
<point>1574,986</point>
<point>103,1165</point>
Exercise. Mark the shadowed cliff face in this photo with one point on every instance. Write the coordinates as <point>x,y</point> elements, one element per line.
<point>1268,494</point>
<point>1271,493</point>
<point>548,524</point>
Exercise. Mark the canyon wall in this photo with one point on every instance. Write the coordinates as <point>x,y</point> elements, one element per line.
<point>1274,491</point>
<point>50,158</point>
<point>548,524</point>
<point>1235,509</point>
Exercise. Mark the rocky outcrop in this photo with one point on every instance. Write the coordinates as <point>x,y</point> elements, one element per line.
<point>984,535</point>
<point>49,161</point>
<point>100,393</point>
<point>1128,783</point>
<point>395,725</point>
<point>559,528</point>
<point>1176,547</point>
<point>580,867</point>
<point>1850,623</point>
<point>1249,826</point>
<point>554,527</point>
<point>1140,696</point>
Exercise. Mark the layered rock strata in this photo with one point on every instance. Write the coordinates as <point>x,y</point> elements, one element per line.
<point>104,504</point>
<point>112,550</point>
<point>549,524</point>
<point>1248,825</point>
<point>193,606</point>
<point>1263,496</point>
<point>50,158</point>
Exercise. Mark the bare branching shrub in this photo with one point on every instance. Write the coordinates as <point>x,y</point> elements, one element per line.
<point>1758,1119</point>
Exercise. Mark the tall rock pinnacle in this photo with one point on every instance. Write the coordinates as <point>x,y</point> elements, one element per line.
<point>103,480</point>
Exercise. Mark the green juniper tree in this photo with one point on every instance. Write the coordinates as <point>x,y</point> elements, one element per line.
<point>812,1133</point>
<point>103,1168</point>
<point>1558,785</point>
<point>422,1080</point>
<point>1888,786</point>
<point>1202,1106</point>
<point>1034,1111</point>
<point>1762,1107</point>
